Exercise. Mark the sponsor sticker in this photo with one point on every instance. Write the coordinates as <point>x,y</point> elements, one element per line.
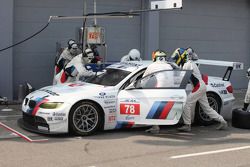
<point>49,92</point>
<point>55,114</point>
<point>223,92</point>
<point>217,85</point>
<point>50,119</point>
<point>111,118</point>
<point>128,117</point>
<point>58,118</point>
<point>129,109</point>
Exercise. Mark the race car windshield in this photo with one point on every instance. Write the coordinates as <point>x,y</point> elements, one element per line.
<point>110,77</point>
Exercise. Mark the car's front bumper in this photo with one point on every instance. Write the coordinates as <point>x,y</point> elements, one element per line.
<point>40,125</point>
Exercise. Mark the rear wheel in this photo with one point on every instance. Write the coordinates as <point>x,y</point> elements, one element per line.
<point>200,116</point>
<point>85,118</point>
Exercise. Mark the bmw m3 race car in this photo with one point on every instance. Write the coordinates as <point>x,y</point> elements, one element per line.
<point>121,98</point>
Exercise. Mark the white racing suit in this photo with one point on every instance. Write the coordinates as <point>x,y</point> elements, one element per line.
<point>157,66</point>
<point>247,96</point>
<point>198,94</point>
<point>62,61</point>
<point>154,67</point>
<point>73,71</point>
<point>127,58</point>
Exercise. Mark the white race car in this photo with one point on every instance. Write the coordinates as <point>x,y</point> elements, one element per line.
<point>120,98</point>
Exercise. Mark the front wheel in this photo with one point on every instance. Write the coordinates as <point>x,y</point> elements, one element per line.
<point>85,118</point>
<point>200,116</point>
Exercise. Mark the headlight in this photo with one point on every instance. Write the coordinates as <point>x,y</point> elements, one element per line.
<point>50,105</point>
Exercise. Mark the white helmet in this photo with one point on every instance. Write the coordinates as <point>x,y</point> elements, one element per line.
<point>191,54</point>
<point>88,53</point>
<point>73,49</point>
<point>134,54</point>
<point>70,42</point>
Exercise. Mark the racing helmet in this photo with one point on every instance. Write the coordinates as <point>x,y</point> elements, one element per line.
<point>88,53</point>
<point>73,48</point>
<point>159,55</point>
<point>179,56</point>
<point>70,42</point>
<point>134,54</point>
<point>191,54</point>
<point>248,73</point>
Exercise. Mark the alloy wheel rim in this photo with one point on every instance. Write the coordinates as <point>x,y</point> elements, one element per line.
<point>85,118</point>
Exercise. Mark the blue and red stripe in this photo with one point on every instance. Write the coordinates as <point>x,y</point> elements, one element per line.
<point>160,110</point>
<point>121,125</point>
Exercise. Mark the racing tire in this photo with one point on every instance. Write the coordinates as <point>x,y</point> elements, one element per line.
<point>202,118</point>
<point>241,119</point>
<point>85,118</point>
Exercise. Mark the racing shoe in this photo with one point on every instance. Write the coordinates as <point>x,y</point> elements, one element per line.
<point>222,126</point>
<point>185,128</point>
<point>154,130</point>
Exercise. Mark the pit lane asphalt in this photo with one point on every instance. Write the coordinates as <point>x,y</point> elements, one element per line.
<point>204,146</point>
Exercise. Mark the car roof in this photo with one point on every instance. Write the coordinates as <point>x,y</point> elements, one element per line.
<point>131,65</point>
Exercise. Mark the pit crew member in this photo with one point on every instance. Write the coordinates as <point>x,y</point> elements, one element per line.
<point>76,68</point>
<point>159,58</point>
<point>247,96</point>
<point>65,57</point>
<point>133,55</point>
<point>199,90</point>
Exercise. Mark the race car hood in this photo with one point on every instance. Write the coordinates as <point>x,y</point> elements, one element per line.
<point>69,89</point>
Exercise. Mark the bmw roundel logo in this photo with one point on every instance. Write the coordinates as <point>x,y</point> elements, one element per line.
<point>102,94</point>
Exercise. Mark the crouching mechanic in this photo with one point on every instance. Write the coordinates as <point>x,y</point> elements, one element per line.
<point>76,68</point>
<point>247,96</point>
<point>133,55</point>
<point>159,63</point>
<point>186,58</point>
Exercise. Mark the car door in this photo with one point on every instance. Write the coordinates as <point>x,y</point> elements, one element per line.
<point>156,99</point>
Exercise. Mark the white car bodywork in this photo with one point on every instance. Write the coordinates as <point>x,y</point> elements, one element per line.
<point>122,105</point>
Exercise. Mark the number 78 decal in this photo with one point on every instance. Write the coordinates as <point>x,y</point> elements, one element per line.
<point>130,109</point>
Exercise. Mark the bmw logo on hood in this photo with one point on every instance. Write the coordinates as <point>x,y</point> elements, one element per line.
<point>102,94</point>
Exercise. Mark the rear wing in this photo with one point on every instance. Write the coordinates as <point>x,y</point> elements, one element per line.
<point>230,66</point>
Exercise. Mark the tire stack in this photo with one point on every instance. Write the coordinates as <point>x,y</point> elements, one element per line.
<point>241,119</point>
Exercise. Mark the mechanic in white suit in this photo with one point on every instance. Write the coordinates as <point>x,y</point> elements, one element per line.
<point>159,63</point>
<point>66,56</point>
<point>76,68</point>
<point>133,55</point>
<point>198,93</point>
<point>247,96</point>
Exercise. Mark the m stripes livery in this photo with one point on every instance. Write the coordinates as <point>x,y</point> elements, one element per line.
<point>160,110</point>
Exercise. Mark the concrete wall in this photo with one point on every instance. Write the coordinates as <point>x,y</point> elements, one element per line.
<point>216,29</point>
<point>6,29</point>
<point>34,59</point>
